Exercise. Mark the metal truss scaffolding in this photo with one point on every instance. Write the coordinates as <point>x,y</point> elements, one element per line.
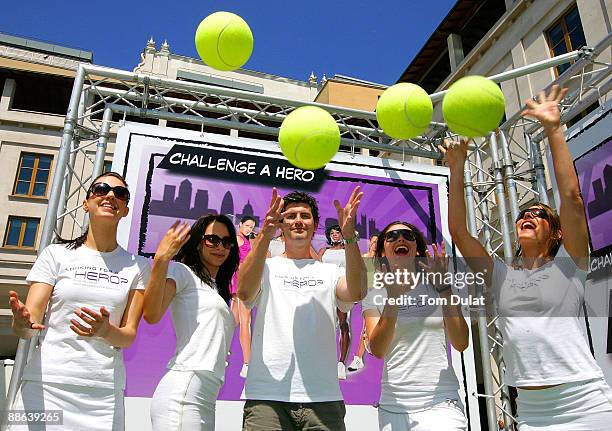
<point>503,171</point>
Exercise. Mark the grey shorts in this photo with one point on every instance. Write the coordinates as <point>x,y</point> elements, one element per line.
<point>263,415</point>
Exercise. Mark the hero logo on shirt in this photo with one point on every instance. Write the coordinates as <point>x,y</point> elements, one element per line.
<point>300,282</point>
<point>529,282</point>
<point>102,277</point>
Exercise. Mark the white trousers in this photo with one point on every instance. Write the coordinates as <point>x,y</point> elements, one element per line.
<point>83,407</point>
<point>446,416</point>
<point>577,406</point>
<point>185,401</point>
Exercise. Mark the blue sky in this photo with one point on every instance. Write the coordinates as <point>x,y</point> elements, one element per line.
<point>373,40</point>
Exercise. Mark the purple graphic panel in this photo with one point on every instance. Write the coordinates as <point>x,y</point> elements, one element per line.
<point>169,196</point>
<point>595,175</point>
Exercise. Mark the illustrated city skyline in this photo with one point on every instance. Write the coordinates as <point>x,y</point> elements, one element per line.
<point>602,202</point>
<point>178,205</point>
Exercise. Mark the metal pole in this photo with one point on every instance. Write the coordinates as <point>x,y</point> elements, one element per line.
<point>50,218</point>
<point>100,153</point>
<point>63,201</point>
<point>273,131</point>
<point>218,91</point>
<point>487,373</point>
<point>509,178</point>
<point>501,198</point>
<point>537,165</point>
<point>507,245</point>
<point>524,70</point>
<point>484,205</point>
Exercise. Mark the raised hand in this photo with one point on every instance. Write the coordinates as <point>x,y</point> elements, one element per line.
<point>21,315</point>
<point>455,153</point>
<point>171,243</point>
<point>437,263</point>
<point>99,325</point>
<point>346,215</point>
<point>274,216</point>
<point>546,108</point>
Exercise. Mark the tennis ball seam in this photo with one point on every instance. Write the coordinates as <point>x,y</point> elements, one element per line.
<point>229,22</point>
<point>297,146</point>
<point>407,116</point>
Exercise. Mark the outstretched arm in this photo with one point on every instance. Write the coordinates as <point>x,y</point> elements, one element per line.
<point>380,326</point>
<point>28,317</point>
<point>456,328</point>
<point>472,250</point>
<point>160,290</point>
<point>354,285</point>
<point>251,270</point>
<point>571,211</point>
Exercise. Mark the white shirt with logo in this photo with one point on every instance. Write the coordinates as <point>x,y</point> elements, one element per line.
<point>82,278</point>
<point>293,349</point>
<point>544,343</point>
<point>417,372</point>
<point>203,323</point>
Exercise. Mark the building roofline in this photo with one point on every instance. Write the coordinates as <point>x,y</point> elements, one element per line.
<point>351,80</point>
<point>454,21</point>
<point>248,71</point>
<point>46,47</point>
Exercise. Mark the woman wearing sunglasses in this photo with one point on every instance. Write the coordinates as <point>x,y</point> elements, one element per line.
<point>196,287</point>
<point>419,386</point>
<point>539,296</point>
<point>92,291</point>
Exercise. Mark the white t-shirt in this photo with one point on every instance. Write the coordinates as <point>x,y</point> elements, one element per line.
<point>417,372</point>
<point>544,343</point>
<point>337,257</point>
<point>293,348</point>
<point>203,323</point>
<point>277,247</point>
<point>82,278</point>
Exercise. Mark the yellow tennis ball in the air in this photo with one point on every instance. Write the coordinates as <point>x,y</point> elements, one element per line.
<point>309,137</point>
<point>473,106</point>
<point>404,111</point>
<point>224,41</point>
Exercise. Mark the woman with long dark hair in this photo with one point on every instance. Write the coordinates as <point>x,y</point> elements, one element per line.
<point>92,291</point>
<point>419,387</point>
<point>196,287</point>
<point>539,296</point>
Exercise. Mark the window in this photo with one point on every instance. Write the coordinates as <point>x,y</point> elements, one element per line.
<point>566,35</point>
<point>21,232</point>
<point>108,165</point>
<point>33,175</point>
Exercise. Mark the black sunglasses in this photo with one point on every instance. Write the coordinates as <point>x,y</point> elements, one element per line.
<point>102,189</point>
<point>394,235</point>
<point>535,212</point>
<point>215,240</point>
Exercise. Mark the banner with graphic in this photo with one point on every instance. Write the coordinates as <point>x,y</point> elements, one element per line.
<point>183,175</point>
<point>590,143</point>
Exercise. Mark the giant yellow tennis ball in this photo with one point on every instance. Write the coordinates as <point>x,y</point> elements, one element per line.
<point>473,106</point>
<point>404,111</point>
<point>309,137</point>
<point>224,41</point>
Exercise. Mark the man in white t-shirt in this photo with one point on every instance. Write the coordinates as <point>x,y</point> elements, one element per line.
<point>292,382</point>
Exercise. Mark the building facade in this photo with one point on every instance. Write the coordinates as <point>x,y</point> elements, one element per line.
<point>36,79</point>
<point>492,36</point>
